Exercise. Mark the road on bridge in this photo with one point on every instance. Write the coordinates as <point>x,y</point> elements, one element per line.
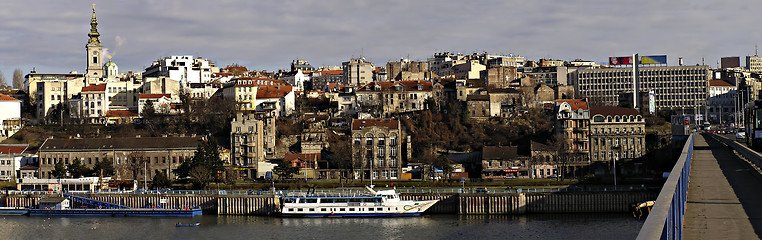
<point>724,194</point>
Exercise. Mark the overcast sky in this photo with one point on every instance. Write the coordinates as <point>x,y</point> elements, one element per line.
<point>267,35</point>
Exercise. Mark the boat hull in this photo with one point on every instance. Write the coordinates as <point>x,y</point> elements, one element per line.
<point>397,209</point>
<point>13,211</point>
<point>116,212</point>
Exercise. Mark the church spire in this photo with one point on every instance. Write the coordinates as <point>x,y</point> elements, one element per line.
<point>94,35</point>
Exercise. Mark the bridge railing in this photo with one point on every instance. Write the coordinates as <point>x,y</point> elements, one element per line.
<point>665,221</point>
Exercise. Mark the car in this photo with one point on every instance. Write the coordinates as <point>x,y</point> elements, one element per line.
<point>741,135</point>
<point>481,190</point>
<point>555,176</point>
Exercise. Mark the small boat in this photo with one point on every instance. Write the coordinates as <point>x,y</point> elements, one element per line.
<point>13,211</point>
<point>382,203</point>
<point>188,224</point>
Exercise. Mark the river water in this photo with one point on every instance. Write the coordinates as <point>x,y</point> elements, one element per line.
<point>534,226</point>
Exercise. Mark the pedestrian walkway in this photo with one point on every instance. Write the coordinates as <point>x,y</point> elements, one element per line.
<point>724,194</point>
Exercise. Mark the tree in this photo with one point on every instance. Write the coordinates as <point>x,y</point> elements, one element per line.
<point>340,155</point>
<point>18,79</point>
<point>204,164</point>
<point>200,176</point>
<point>77,169</point>
<point>104,167</point>
<point>285,170</point>
<point>137,164</point>
<point>231,175</point>
<point>160,180</point>
<point>59,171</point>
<point>443,163</point>
<point>2,79</point>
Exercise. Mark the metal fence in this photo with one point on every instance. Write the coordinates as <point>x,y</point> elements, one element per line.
<point>665,221</point>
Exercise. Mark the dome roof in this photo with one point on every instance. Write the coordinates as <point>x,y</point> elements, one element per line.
<point>109,64</point>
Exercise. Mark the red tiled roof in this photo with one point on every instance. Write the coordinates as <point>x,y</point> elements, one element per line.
<point>357,124</point>
<point>331,72</point>
<point>29,167</point>
<point>720,83</point>
<point>501,152</point>
<point>290,156</point>
<point>612,111</point>
<point>576,104</point>
<point>95,88</point>
<point>120,113</point>
<point>7,98</point>
<point>147,96</point>
<point>273,91</point>
<point>13,148</point>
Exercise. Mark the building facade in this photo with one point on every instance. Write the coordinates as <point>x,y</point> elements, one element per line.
<point>616,134</point>
<point>358,72</point>
<point>722,102</point>
<point>675,87</point>
<point>129,155</point>
<point>571,131</point>
<point>10,116</point>
<point>247,144</point>
<point>376,148</point>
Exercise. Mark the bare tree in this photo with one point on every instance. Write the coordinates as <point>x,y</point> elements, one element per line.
<point>137,163</point>
<point>18,79</point>
<point>2,79</point>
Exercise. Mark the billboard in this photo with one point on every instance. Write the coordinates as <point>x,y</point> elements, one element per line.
<point>651,102</point>
<point>620,60</point>
<point>655,59</point>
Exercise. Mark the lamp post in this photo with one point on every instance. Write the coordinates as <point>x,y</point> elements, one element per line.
<point>615,157</point>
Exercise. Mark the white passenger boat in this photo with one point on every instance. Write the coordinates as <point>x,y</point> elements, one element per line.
<point>382,203</point>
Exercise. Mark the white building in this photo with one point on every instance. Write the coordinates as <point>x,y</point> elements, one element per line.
<point>11,156</point>
<point>279,99</point>
<point>722,101</point>
<point>162,103</point>
<point>296,79</point>
<point>10,116</point>
<point>185,69</point>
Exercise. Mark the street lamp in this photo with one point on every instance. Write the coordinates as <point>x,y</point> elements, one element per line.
<point>615,157</point>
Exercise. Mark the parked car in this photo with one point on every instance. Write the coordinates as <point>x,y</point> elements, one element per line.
<point>481,190</point>
<point>741,135</point>
<point>555,176</point>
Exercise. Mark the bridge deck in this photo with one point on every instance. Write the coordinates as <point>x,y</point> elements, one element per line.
<point>724,194</point>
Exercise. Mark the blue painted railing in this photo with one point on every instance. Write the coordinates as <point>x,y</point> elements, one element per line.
<point>665,221</point>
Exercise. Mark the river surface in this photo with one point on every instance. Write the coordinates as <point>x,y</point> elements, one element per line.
<point>534,226</point>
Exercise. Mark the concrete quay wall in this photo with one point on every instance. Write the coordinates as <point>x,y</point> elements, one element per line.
<point>467,204</point>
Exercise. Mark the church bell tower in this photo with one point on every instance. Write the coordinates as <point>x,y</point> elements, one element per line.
<point>94,50</point>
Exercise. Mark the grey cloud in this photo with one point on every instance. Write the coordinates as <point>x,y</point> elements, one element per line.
<point>269,34</point>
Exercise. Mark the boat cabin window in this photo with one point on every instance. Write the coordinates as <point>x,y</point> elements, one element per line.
<point>311,200</point>
<point>355,200</point>
<point>371,209</point>
<point>369,200</point>
<point>351,209</point>
<point>299,209</point>
<point>342,209</point>
<point>289,200</point>
<point>323,209</point>
<point>340,200</point>
<point>380,209</point>
<point>312,209</point>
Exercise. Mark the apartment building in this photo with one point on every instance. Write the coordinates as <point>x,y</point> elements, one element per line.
<point>616,133</point>
<point>247,144</point>
<point>376,148</point>
<point>675,87</point>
